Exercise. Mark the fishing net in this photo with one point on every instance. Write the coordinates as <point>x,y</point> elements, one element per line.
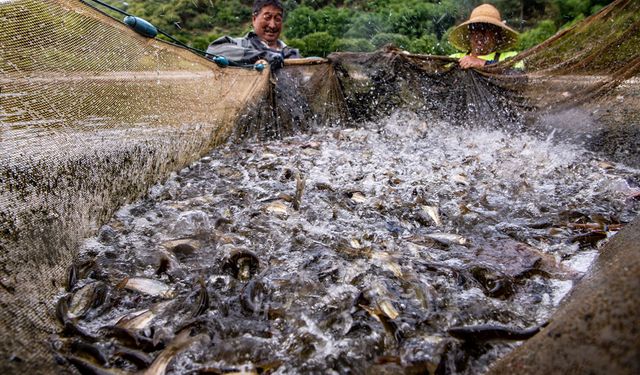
<point>92,115</point>
<point>581,84</point>
<point>305,94</point>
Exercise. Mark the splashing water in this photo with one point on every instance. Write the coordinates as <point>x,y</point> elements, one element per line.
<point>403,229</point>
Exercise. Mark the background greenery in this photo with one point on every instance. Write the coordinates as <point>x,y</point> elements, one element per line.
<point>319,27</point>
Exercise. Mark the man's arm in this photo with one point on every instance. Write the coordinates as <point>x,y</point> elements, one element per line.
<point>235,50</point>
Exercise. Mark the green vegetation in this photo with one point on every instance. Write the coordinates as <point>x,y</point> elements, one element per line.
<point>319,27</point>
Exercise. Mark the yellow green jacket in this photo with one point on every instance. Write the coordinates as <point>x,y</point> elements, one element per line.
<point>491,58</point>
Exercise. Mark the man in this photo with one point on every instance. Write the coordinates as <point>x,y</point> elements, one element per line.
<point>484,38</point>
<point>262,43</point>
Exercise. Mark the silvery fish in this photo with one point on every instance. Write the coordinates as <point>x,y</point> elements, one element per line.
<point>433,213</point>
<point>300,184</point>
<point>90,295</point>
<point>277,208</point>
<point>147,286</point>
<point>447,238</point>
<point>358,197</point>
<point>384,303</point>
<point>139,320</point>
<point>181,342</point>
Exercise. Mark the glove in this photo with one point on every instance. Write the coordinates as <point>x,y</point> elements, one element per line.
<point>275,59</point>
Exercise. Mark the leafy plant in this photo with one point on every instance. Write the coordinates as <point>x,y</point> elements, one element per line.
<point>353,45</point>
<point>318,44</point>
<point>398,40</point>
<point>543,31</point>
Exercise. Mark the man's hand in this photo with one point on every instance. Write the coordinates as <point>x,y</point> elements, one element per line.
<point>275,59</point>
<point>471,62</point>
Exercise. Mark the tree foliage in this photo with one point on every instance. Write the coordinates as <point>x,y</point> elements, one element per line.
<point>353,45</point>
<point>319,27</point>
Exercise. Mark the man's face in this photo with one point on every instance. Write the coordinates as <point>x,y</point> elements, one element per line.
<point>482,40</point>
<point>268,23</point>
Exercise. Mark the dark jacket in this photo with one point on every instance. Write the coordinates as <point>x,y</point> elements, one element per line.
<point>250,49</point>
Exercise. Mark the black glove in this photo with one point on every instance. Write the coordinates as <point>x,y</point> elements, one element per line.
<point>275,59</point>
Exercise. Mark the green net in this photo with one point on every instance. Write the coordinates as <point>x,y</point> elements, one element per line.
<point>92,114</point>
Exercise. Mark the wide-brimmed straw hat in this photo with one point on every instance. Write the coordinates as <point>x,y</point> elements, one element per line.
<point>485,13</point>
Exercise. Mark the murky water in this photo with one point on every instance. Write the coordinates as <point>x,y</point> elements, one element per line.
<point>365,250</point>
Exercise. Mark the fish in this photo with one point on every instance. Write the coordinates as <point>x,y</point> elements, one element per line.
<point>424,293</point>
<point>69,326</point>
<point>72,277</point>
<point>358,197</point>
<point>244,268</point>
<point>242,264</point>
<point>605,165</point>
<point>433,213</point>
<point>163,267</point>
<point>388,309</point>
<point>202,304</point>
<point>389,325</point>
<point>324,186</point>
<point>312,144</point>
<point>286,175</point>
<point>352,248</point>
<point>161,335</point>
<point>277,208</point>
<point>383,302</point>
<point>130,338</point>
<point>146,286</point>
<point>180,343</point>
<point>227,371</point>
<point>81,347</point>
<point>281,196</point>
<point>494,283</point>
<point>447,238</point>
<point>388,263</point>
<point>184,247</point>
<point>300,183</point>
<point>91,295</point>
<point>250,297</point>
<point>590,238</point>
<point>140,359</point>
<point>388,359</point>
<point>77,271</point>
<point>136,321</point>
<point>268,155</point>
<point>139,320</point>
<point>487,332</point>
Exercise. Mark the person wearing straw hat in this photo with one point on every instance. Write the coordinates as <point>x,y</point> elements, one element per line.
<point>484,38</point>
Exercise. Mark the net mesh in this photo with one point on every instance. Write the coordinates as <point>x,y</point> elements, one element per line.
<point>91,115</point>
<point>303,95</point>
